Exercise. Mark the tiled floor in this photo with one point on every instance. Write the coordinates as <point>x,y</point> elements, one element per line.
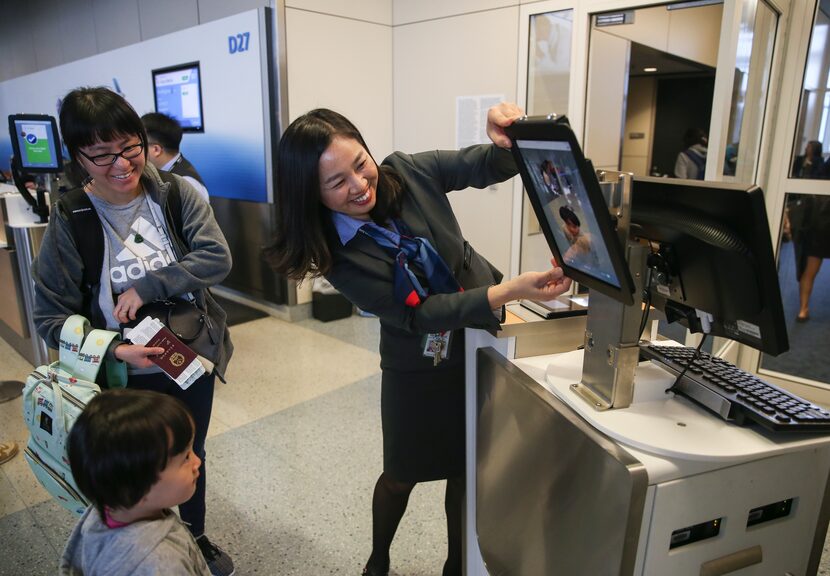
<point>294,450</point>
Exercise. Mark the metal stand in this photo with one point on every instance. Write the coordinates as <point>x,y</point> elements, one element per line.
<point>613,332</point>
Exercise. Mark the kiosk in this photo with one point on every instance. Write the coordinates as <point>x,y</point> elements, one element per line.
<point>590,461</point>
<point>25,211</point>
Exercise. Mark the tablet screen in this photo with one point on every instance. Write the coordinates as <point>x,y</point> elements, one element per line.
<point>568,213</point>
<point>35,143</point>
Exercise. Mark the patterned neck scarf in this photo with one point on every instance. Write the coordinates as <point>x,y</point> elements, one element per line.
<point>408,249</point>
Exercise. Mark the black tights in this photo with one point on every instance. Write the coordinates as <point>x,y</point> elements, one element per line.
<point>388,506</point>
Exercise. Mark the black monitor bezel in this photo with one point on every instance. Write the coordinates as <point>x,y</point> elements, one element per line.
<point>186,66</point>
<point>16,144</point>
<point>544,129</point>
<point>737,207</point>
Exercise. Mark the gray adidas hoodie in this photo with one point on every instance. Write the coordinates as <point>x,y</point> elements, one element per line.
<point>144,548</point>
<point>58,269</point>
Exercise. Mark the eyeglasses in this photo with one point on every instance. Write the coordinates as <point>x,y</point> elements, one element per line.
<point>108,159</point>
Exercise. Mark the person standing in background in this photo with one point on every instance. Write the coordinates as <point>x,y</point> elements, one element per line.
<point>164,136</point>
<point>691,162</point>
<point>811,164</point>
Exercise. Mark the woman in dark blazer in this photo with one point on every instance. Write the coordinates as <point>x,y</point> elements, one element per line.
<point>386,237</point>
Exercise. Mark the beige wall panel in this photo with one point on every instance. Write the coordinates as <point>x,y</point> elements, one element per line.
<point>607,78</point>
<point>636,164</point>
<point>639,118</point>
<point>467,55</point>
<point>378,11</point>
<point>694,33</point>
<point>408,11</point>
<point>345,65</point>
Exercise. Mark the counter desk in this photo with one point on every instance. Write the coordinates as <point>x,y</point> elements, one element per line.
<point>660,488</point>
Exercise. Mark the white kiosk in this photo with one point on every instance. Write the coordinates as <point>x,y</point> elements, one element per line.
<point>585,461</point>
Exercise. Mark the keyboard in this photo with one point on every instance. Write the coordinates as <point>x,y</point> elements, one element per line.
<point>735,395</point>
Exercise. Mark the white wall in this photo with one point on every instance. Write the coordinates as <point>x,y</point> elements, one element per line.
<point>436,59</point>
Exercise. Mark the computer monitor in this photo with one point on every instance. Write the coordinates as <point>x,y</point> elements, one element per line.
<point>568,202</point>
<point>35,143</point>
<point>711,265</point>
<point>178,93</point>
<point>711,251</point>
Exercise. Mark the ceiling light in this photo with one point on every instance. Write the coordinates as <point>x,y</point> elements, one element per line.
<point>650,69</point>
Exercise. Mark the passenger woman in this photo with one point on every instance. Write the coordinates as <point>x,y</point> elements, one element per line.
<point>141,262</point>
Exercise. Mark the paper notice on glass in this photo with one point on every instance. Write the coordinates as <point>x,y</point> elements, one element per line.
<point>471,119</point>
<point>178,360</point>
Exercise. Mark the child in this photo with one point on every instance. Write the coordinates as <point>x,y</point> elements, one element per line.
<point>131,453</point>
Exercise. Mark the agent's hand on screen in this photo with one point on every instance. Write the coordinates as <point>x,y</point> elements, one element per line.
<point>498,118</point>
<point>138,356</point>
<point>531,285</point>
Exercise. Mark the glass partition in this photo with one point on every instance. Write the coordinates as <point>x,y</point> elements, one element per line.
<point>809,158</point>
<point>805,287</point>
<point>753,64</point>
<point>549,64</point>
<point>548,85</point>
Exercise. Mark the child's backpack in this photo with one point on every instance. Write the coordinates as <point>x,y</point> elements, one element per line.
<point>53,397</point>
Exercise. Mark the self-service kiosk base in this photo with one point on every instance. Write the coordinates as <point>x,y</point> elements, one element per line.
<point>663,487</point>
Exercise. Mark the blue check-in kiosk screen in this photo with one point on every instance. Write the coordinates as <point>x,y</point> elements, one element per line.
<point>178,93</point>
<point>35,143</point>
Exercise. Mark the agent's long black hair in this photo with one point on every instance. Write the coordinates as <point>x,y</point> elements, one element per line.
<point>301,244</point>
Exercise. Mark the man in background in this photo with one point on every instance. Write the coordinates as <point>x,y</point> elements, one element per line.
<point>164,135</point>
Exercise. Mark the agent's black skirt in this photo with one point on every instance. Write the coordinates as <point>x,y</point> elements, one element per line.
<point>423,424</point>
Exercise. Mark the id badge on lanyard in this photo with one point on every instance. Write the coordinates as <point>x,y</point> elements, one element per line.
<point>437,346</point>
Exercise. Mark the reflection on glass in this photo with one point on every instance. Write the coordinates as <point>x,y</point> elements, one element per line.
<point>805,243</point>
<point>752,72</point>
<point>548,82</point>
<point>549,64</point>
<point>813,126</point>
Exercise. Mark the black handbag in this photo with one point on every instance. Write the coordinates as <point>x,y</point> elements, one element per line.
<point>187,321</point>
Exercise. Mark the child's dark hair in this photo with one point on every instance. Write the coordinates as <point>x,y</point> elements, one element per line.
<point>122,441</point>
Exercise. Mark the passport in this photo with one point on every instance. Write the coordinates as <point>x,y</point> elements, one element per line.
<point>176,357</point>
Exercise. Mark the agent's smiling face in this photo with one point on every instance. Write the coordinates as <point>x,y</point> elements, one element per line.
<point>116,182</point>
<point>348,178</point>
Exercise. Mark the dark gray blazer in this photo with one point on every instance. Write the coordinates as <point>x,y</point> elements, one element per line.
<point>364,272</point>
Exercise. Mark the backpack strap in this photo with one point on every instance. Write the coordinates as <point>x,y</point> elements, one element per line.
<point>698,160</point>
<point>92,354</point>
<point>72,336</point>
<point>86,229</point>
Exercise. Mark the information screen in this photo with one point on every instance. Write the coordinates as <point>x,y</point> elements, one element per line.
<point>35,143</point>
<point>178,93</point>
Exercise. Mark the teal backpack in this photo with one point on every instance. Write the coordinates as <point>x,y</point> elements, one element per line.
<point>54,396</point>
